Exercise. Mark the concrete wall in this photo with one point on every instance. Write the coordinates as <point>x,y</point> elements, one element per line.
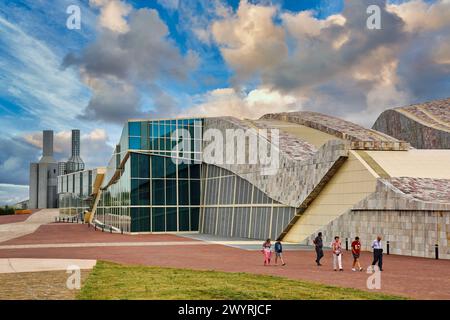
<point>33,191</point>
<point>294,181</point>
<point>42,185</point>
<point>411,233</point>
<point>353,182</point>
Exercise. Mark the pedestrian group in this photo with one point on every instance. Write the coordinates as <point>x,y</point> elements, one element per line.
<point>336,249</point>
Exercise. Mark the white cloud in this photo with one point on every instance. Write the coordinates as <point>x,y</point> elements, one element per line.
<point>113,14</point>
<point>422,16</point>
<point>10,194</point>
<point>169,4</point>
<point>249,40</point>
<point>228,102</point>
<point>33,78</point>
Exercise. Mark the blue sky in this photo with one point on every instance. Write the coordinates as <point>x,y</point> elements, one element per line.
<point>159,58</point>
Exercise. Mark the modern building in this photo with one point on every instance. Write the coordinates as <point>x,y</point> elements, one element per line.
<point>425,126</point>
<point>43,177</point>
<point>330,175</point>
<point>75,163</point>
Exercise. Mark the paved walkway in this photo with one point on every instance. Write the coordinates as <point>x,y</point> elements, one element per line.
<point>409,276</point>
<point>12,265</point>
<point>30,225</point>
<point>12,218</point>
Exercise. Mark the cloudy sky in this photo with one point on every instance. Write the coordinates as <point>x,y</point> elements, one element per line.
<point>159,58</point>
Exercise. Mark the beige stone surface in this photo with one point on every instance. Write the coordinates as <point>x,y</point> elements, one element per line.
<point>12,265</point>
<point>352,183</point>
<point>18,229</point>
<point>414,163</point>
<point>313,136</point>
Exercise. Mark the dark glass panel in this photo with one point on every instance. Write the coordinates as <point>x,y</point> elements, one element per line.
<point>144,192</point>
<point>183,192</point>
<point>194,218</point>
<point>195,192</point>
<point>195,171</point>
<point>157,167</point>
<point>184,219</point>
<point>158,192</point>
<point>144,219</point>
<point>134,214</point>
<point>144,166</point>
<point>134,191</point>
<point>171,219</point>
<point>171,168</point>
<point>134,128</point>
<point>171,192</point>
<point>183,171</point>
<point>158,220</point>
<point>135,143</point>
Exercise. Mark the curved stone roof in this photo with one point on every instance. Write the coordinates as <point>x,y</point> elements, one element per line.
<point>424,126</point>
<point>291,145</point>
<point>435,113</point>
<point>424,189</point>
<point>361,138</point>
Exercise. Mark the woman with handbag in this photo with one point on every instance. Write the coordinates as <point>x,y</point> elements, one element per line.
<point>336,247</point>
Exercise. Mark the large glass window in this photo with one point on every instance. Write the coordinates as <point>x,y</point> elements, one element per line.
<point>134,129</point>
<point>184,219</point>
<point>171,192</point>
<point>157,167</point>
<point>135,143</point>
<point>158,198</point>
<point>171,168</point>
<point>194,218</point>
<point>158,220</point>
<point>171,219</point>
<point>183,192</point>
<point>195,192</point>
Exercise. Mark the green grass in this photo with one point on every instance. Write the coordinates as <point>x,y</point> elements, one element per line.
<point>114,281</point>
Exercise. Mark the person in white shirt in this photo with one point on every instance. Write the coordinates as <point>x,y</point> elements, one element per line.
<point>336,247</point>
<point>377,253</point>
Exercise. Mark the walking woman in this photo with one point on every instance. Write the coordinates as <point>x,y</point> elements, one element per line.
<point>336,247</point>
<point>267,252</point>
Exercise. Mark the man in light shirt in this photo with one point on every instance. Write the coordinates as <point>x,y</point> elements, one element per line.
<point>377,253</point>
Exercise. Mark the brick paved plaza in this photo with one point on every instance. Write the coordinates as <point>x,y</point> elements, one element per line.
<point>408,276</point>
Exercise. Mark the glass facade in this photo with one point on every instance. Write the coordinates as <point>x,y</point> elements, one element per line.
<point>74,191</point>
<point>233,207</point>
<point>155,182</point>
<point>158,185</point>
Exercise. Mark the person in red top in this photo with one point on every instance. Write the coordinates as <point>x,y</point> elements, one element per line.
<point>356,251</point>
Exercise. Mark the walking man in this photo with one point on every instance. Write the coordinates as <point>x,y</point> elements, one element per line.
<point>356,251</point>
<point>279,253</point>
<point>337,254</point>
<point>318,243</point>
<point>377,253</point>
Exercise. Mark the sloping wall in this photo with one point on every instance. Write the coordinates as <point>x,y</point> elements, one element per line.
<point>353,182</point>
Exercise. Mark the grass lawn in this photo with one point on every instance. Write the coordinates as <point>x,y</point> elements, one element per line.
<point>114,281</point>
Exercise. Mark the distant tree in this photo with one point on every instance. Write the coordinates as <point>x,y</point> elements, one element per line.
<point>6,210</point>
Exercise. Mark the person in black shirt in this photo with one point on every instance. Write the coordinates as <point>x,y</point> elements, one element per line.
<point>318,243</point>
<point>279,253</point>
